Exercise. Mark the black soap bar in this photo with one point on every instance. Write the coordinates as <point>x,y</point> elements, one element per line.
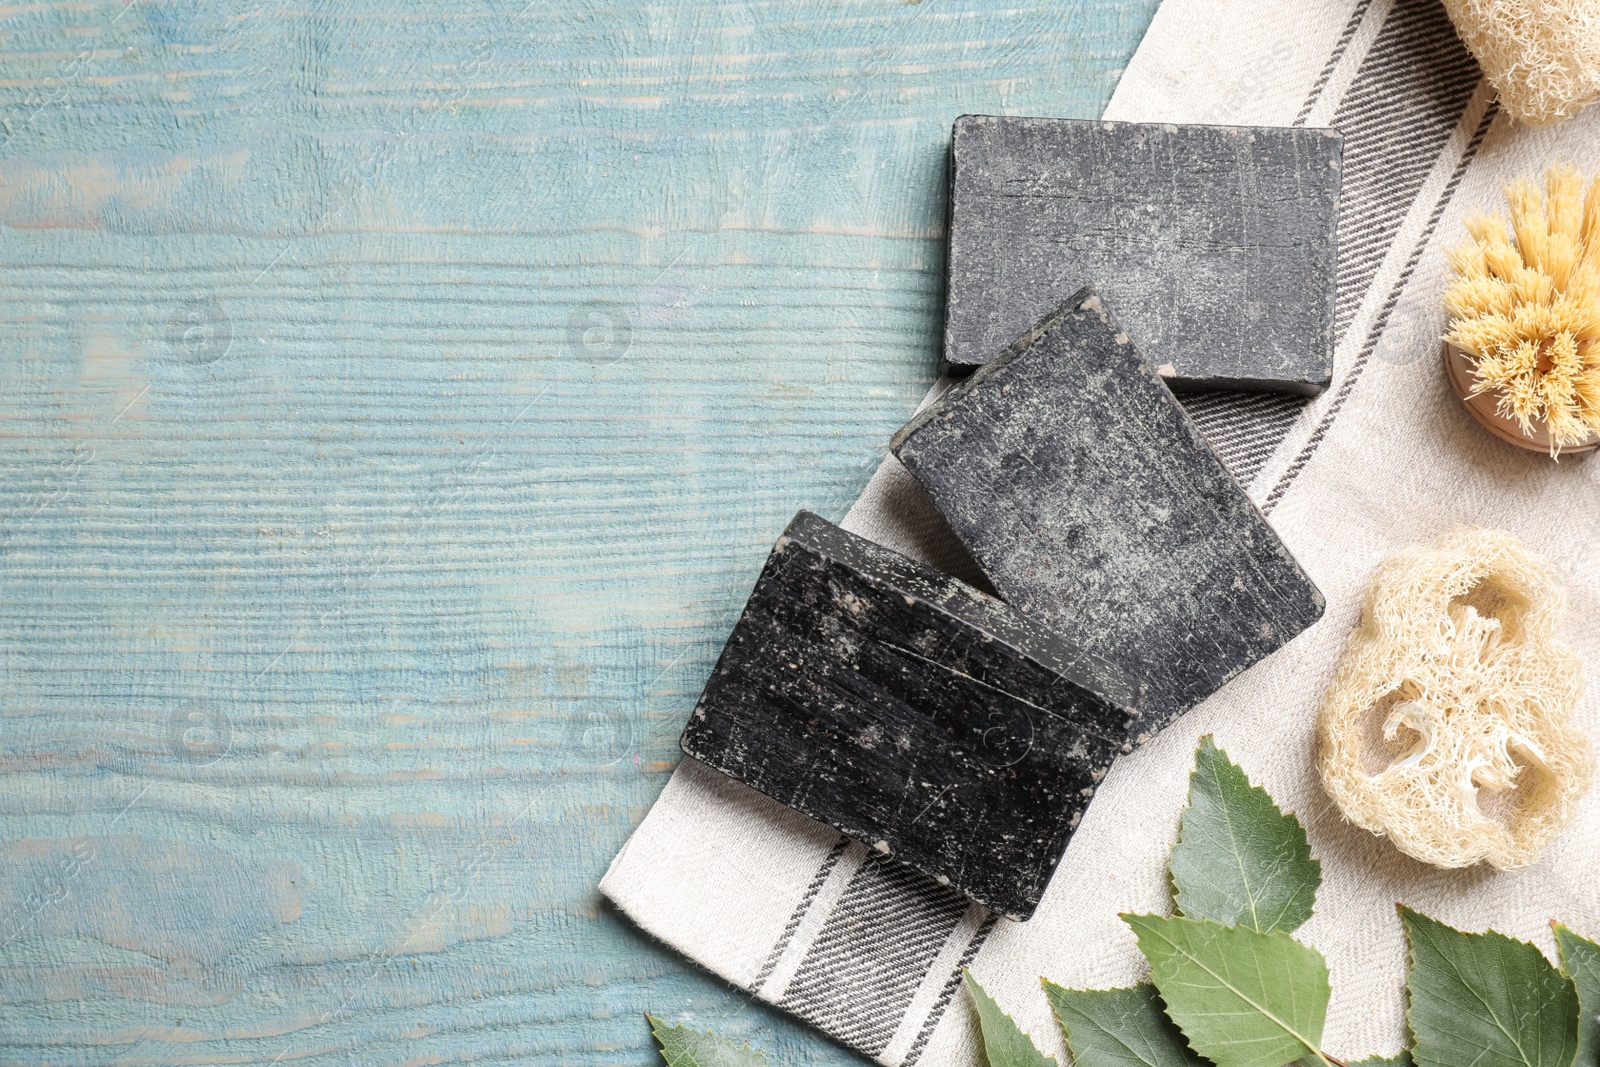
<point>913,713</point>
<point>1094,505</point>
<point>1215,243</point>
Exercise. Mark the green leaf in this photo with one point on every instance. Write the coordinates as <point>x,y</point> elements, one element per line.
<point>1239,860</point>
<point>1401,1060</point>
<point>1118,1027</point>
<point>1486,1000</point>
<point>1242,998</point>
<point>1004,1043</point>
<point>683,1047</point>
<point>1580,958</point>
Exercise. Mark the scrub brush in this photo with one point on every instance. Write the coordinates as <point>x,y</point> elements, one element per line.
<point>1524,308</point>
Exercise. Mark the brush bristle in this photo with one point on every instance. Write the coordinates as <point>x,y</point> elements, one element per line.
<point>1525,306</point>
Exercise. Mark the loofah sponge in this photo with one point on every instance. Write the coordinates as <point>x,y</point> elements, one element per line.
<point>1541,56</point>
<point>1528,315</point>
<point>1447,725</point>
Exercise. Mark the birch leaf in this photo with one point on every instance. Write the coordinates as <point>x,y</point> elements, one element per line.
<point>1239,859</point>
<point>683,1047</point>
<point>1003,1040</point>
<point>1119,1027</point>
<point>1486,1000</point>
<point>1242,998</point>
<point>1580,958</point>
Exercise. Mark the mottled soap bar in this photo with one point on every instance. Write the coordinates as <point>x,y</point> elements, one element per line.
<point>1215,243</point>
<point>1094,505</point>
<point>913,713</point>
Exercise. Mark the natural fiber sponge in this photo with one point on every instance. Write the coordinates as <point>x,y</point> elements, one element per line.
<point>1541,56</point>
<point>1447,727</point>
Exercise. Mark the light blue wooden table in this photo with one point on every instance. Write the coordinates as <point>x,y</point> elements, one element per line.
<point>397,402</point>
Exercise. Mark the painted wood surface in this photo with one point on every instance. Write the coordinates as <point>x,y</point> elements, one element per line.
<point>397,402</point>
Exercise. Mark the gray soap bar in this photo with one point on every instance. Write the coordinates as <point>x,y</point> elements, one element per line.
<point>913,713</point>
<point>1215,243</point>
<point>1093,504</point>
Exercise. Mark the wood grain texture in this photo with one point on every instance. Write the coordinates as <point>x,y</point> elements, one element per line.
<point>398,401</point>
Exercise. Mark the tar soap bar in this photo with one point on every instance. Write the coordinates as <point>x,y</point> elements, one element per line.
<point>1094,505</point>
<point>1215,243</point>
<point>913,713</point>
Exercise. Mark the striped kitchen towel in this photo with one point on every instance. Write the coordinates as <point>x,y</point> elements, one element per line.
<point>872,953</point>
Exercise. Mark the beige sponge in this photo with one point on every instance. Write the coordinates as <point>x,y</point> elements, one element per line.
<point>1447,727</point>
<point>1541,56</point>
